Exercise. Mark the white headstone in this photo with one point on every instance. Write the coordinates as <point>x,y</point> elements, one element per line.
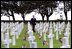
<point>13,38</point>
<point>34,45</point>
<point>17,36</point>
<point>7,40</point>
<point>65,43</point>
<point>57,36</point>
<point>59,28</point>
<point>54,26</point>
<point>6,43</point>
<point>66,34</point>
<point>50,36</point>
<point>50,27</point>
<point>30,32</point>
<point>29,26</point>
<point>31,38</point>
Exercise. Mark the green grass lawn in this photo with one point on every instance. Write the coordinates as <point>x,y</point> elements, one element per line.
<point>20,42</point>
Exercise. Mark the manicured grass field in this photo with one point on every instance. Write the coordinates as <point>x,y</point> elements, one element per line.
<point>20,42</point>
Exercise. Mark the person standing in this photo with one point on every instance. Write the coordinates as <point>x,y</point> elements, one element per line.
<point>33,23</point>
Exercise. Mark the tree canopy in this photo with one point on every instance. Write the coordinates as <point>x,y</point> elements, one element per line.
<point>25,7</point>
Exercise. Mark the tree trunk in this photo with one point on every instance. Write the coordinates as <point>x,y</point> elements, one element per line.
<point>65,12</point>
<point>13,15</point>
<point>9,18</point>
<point>9,24</point>
<point>23,17</point>
<point>47,16</point>
<point>42,17</point>
<point>65,15</point>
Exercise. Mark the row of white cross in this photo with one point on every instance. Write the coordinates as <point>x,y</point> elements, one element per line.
<point>47,27</point>
<point>31,37</point>
<point>10,29</point>
<point>42,28</point>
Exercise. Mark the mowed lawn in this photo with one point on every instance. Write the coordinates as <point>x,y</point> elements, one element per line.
<point>20,42</point>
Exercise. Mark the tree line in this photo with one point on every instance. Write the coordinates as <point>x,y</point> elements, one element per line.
<point>8,8</point>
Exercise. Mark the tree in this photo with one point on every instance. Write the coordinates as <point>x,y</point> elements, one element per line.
<point>24,7</point>
<point>29,6</point>
<point>8,6</point>
<point>67,7</point>
<point>46,8</point>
